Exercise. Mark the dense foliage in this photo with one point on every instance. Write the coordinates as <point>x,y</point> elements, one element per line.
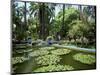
<point>43,21</point>
<point>70,15</point>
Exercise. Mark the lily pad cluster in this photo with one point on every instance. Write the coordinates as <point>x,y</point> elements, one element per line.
<point>20,46</point>
<point>48,59</point>
<point>47,48</point>
<point>64,44</point>
<point>60,51</point>
<point>22,51</point>
<point>38,53</point>
<point>52,68</point>
<point>16,60</point>
<point>85,58</point>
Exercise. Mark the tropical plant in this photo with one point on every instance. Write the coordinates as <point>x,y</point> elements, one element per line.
<point>78,29</point>
<point>18,14</point>
<point>39,10</point>
<point>69,15</point>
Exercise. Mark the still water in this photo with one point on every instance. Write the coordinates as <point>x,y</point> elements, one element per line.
<point>67,59</point>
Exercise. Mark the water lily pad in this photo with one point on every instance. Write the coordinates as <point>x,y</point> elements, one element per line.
<point>23,51</point>
<point>48,59</point>
<point>38,53</point>
<point>47,48</point>
<point>61,51</point>
<point>16,60</point>
<point>85,58</point>
<point>52,68</point>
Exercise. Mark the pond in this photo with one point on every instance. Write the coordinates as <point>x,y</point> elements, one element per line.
<point>48,57</point>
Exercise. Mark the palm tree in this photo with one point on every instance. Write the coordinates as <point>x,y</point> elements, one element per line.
<point>63,24</point>
<point>44,14</point>
<point>90,19</point>
<point>19,12</point>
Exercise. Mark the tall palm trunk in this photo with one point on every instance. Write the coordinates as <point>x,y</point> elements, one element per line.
<point>24,26</point>
<point>63,15</point>
<point>42,21</point>
<point>25,20</point>
<point>62,33</point>
<point>81,13</point>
